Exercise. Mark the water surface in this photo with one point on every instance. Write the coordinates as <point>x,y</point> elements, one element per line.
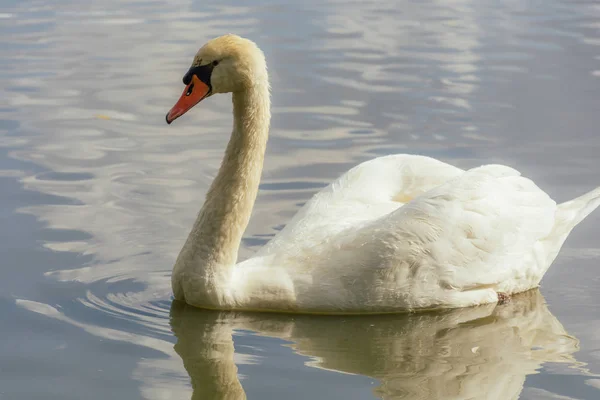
<point>97,193</point>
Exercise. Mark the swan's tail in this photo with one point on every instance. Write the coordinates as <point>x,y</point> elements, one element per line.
<point>568,215</point>
<point>574,211</point>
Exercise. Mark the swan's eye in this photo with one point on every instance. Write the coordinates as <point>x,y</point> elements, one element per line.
<point>215,63</point>
<point>189,91</point>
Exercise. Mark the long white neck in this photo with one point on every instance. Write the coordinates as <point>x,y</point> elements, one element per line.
<point>211,249</point>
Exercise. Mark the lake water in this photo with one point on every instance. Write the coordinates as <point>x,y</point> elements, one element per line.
<point>97,193</point>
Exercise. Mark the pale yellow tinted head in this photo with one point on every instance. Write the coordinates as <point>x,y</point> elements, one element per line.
<point>225,64</point>
<point>238,63</point>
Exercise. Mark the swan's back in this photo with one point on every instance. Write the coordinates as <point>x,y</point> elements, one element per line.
<point>367,192</point>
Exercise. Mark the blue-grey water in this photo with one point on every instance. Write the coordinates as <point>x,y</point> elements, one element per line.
<point>97,193</point>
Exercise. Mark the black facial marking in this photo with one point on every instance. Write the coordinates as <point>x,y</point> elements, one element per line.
<point>202,72</point>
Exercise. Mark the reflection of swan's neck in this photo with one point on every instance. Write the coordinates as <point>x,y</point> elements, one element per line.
<point>205,344</point>
<point>215,238</point>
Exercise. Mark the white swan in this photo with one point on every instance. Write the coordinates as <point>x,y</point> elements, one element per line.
<point>396,233</point>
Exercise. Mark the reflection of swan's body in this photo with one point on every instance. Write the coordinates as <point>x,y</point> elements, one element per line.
<point>472,353</point>
<point>395,233</point>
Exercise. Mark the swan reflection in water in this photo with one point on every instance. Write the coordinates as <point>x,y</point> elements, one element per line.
<point>483,352</point>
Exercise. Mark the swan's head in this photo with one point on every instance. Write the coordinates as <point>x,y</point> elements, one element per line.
<point>225,64</point>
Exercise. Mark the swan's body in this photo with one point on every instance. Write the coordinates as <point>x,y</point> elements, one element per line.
<point>396,233</point>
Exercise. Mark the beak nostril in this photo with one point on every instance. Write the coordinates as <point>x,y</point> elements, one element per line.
<point>190,89</point>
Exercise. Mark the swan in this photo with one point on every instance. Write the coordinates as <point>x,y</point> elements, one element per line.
<point>394,234</point>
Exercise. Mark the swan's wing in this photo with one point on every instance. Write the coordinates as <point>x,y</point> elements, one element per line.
<point>480,230</point>
<point>396,178</point>
<point>366,192</point>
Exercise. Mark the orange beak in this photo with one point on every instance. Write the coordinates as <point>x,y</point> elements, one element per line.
<point>193,94</point>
